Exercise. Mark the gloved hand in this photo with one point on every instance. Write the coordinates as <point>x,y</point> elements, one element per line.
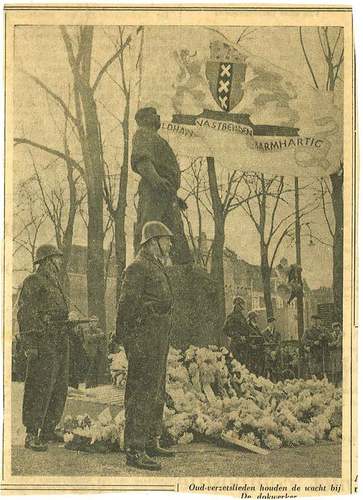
<point>182,204</point>
<point>147,171</point>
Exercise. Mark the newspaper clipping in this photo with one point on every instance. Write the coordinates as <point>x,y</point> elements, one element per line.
<point>180,270</point>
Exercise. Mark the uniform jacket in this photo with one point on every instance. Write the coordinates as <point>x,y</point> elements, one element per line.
<point>148,145</point>
<point>315,339</point>
<point>41,295</point>
<point>145,293</point>
<point>255,333</point>
<point>235,325</point>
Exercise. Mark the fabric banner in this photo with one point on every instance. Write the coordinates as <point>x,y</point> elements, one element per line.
<point>217,99</point>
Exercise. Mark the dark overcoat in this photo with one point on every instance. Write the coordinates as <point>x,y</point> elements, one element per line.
<point>143,327</point>
<point>42,316</point>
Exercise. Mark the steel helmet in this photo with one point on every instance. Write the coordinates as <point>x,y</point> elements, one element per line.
<point>252,314</point>
<point>154,229</point>
<point>45,251</point>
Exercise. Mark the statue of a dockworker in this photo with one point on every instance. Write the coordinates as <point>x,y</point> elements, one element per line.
<point>154,160</point>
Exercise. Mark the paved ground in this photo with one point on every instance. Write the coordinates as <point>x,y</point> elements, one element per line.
<point>196,459</point>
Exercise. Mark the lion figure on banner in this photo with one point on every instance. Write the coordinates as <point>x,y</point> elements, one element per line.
<point>190,83</point>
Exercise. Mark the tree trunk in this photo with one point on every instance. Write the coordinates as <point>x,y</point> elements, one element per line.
<point>337,200</point>
<point>67,242</point>
<point>217,267</point>
<point>120,215</point>
<point>266,279</point>
<point>92,155</point>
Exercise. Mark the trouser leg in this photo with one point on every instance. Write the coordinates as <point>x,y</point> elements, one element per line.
<point>140,394</point>
<point>157,409</point>
<point>39,382</point>
<point>91,373</point>
<point>59,393</point>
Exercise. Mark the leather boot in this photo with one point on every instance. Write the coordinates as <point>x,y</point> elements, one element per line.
<point>141,460</point>
<point>33,442</point>
<point>55,436</point>
<point>153,449</point>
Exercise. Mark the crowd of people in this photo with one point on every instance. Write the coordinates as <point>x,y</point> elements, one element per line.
<point>265,353</point>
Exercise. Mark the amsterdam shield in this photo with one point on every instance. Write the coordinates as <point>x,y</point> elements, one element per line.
<point>226,81</point>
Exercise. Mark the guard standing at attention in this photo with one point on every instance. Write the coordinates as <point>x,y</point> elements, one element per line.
<point>315,345</point>
<point>44,330</point>
<point>336,353</point>
<point>143,326</point>
<point>256,357</point>
<point>272,340</point>
<point>236,328</point>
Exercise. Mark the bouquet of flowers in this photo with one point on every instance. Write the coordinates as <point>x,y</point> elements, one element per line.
<point>103,435</point>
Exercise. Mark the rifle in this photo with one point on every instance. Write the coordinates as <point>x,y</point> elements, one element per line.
<point>71,322</point>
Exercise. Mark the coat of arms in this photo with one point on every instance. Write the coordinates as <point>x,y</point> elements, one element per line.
<point>226,72</point>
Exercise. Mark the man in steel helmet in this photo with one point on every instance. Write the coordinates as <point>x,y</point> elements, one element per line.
<point>236,328</point>
<point>143,327</point>
<point>256,352</point>
<point>154,160</point>
<point>42,317</point>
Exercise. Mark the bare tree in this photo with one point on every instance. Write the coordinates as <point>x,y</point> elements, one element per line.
<point>61,203</point>
<point>330,40</point>
<point>83,117</point>
<point>29,222</point>
<point>116,199</point>
<point>262,202</point>
<point>224,198</point>
<point>195,185</point>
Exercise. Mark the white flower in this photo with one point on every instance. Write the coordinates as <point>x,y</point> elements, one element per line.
<point>68,437</point>
<point>186,438</point>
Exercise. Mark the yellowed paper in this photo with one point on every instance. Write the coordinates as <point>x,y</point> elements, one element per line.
<point>272,114</point>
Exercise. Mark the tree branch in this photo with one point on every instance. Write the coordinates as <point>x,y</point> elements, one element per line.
<point>57,99</point>
<point>109,62</point>
<point>307,59</point>
<point>273,214</point>
<point>52,151</point>
<point>325,211</point>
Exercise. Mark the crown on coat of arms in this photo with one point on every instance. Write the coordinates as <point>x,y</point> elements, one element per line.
<point>221,51</point>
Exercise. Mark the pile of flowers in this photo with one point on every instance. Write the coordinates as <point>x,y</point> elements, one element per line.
<point>82,433</point>
<point>210,396</point>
